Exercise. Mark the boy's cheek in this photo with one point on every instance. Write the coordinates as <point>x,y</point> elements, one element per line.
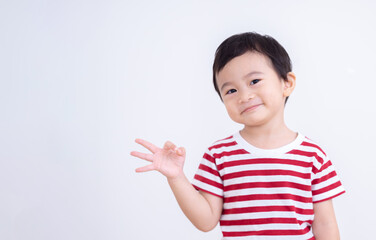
<point>228,109</point>
<point>231,108</point>
<point>234,115</point>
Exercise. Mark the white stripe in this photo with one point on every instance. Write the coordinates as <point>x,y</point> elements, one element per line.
<point>207,187</point>
<point>266,166</point>
<point>258,203</point>
<point>324,172</point>
<point>258,215</point>
<point>209,176</point>
<point>296,157</point>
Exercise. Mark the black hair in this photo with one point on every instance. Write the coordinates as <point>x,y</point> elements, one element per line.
<point>239,44</point>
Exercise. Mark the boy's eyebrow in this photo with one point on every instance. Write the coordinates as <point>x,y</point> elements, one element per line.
<point>252,73</point>
<point>245,76</point>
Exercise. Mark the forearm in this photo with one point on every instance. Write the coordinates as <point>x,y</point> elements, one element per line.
<point>194,205</point>
<point>324,225</point>
<point>326,232</point>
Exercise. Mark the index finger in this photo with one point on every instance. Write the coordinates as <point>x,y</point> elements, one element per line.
<point>151,147</point>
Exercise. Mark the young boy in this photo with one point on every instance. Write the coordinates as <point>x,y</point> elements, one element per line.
<point>265,181</point>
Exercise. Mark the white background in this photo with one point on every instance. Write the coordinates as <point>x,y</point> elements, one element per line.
<point>80,80</point>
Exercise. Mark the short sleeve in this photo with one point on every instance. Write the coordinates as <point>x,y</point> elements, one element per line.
<point>325,181</point>
<point>207,177</point>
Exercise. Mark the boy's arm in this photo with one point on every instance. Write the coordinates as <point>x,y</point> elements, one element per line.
<point>324,225</point>
<point>202,209</point>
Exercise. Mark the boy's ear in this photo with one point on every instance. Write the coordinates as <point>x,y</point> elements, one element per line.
<point>289,84</point>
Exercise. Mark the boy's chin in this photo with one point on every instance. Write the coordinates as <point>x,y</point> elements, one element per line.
<point>253,122</point>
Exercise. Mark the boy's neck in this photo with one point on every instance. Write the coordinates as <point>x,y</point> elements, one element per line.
<point>268,136</point>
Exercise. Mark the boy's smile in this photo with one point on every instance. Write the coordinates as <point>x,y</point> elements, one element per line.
<point>251,108</point>
<point>252,91</point>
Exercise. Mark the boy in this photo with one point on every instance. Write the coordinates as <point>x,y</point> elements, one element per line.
<point>265,181</point>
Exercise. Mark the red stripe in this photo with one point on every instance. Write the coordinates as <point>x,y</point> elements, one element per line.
<point>280,196</point>
<point>230,153</point>
<point>324,178</point>
<point>271,172</point>
<point>209,170</point>
<point>229,144</point>
<point>266,161</point>
<point>258,221</point>
<point>268,209</point>
<point>323,167</point>
<point>326,165</point>
<point>267,233</point>
<point>307,154</point>
<point>326,189</point>
<point>209,158</point>
<point>267,185</point>
<point>224,139</point>
<point>208,181</point>
<point>313,145</point>
<point>315,170</point>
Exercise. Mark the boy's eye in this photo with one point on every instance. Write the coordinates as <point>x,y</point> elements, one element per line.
<point>230,91</point>
<point>253,82</point>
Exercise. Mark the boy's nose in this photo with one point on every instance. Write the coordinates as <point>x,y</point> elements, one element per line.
<point>246,96</point>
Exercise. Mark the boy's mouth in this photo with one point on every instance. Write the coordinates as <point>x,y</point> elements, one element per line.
<point>250,108</point>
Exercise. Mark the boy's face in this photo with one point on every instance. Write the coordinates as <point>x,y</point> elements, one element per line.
<point>251,90</point>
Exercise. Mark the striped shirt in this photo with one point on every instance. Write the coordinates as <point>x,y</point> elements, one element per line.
<point>267,193</point>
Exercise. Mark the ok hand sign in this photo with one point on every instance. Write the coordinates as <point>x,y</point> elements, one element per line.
<point>168,160</point>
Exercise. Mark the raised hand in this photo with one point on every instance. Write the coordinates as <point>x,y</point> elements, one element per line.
<point>168,160</point>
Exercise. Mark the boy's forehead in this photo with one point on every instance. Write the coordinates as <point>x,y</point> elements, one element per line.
<point>241,66</point>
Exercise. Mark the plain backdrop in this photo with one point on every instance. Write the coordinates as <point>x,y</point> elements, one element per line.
<point>80,80</point>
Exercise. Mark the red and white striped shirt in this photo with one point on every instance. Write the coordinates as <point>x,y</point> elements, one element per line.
<point>267,194</point>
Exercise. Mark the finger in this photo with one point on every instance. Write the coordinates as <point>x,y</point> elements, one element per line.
<point>145,156</point>
<point>146,168</point>
<point>169,145</point>
<point>151,147</point>
<point>181,151</point>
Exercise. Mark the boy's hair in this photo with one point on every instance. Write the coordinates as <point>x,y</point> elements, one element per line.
<point>239,44</point>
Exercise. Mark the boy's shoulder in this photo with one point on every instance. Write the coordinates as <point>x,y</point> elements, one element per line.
<point>312,145</point>
<point>223,142</point>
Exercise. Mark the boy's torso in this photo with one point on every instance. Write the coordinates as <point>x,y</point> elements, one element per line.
<point>266,192</point>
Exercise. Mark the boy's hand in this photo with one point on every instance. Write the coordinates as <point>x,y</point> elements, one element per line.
<point>168,160</point>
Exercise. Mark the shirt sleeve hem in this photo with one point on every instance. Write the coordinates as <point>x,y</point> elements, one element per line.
<point>328,198</point>
<point>201,189</point>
